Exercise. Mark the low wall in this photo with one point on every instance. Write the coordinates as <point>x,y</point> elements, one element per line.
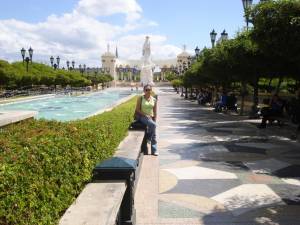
<point>108,200</point>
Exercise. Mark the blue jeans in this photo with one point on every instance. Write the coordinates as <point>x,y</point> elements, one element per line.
<point>151,132</point>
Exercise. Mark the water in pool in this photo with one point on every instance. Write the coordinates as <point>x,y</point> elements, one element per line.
<point>66,108</point>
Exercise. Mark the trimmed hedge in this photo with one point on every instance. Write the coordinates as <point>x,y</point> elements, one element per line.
<point>44,165</point>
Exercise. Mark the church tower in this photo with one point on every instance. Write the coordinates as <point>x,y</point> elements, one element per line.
<point>109,62</point>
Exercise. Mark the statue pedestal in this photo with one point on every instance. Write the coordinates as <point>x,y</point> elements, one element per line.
<point>147,75</point>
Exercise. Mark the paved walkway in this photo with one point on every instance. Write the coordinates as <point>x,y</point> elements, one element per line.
<point>217,169</point>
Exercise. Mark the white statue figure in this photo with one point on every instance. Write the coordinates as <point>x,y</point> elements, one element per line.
<point>147,65</point>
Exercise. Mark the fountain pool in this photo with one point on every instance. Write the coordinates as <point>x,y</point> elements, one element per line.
<point>66,108</point>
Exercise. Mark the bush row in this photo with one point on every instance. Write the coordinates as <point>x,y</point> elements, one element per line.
<point>44,165</point>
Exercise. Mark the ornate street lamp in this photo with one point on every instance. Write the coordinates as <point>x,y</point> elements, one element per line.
<point>247,4</point>
<point>213,36</point>
<point>197,51</point>
<point>68,64</point>
<point>51,60</point>
<point>27,59</point>
<point>73,64</point>
<point>57,61</point>
<point>23,51</point>
<point>30,51</point>
<point>224,35</point>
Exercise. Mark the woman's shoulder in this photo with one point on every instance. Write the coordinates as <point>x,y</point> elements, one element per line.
<point>154,98</point>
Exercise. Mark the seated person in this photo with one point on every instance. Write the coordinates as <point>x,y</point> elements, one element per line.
<point>146,110</point>
<point>231,102</point>
<point>222,103</point>
<point>275,109</point>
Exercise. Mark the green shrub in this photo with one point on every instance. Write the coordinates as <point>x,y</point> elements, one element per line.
<point>45,164</point>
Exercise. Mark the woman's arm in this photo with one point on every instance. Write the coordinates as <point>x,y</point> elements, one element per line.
<point>155,110</point>
<point>138,106</point>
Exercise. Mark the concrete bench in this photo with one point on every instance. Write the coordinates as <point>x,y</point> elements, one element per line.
<point>124,165</point>
<point>98,204</point>
<point>109,199</point>
<point>9,117</point>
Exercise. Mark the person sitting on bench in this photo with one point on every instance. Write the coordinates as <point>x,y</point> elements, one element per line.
<point>231,102</point>
<point>222,103</point>
<point>146,110</point>
<point>274,110</point>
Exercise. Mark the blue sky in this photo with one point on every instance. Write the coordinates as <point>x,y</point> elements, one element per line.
<point>95,23</point>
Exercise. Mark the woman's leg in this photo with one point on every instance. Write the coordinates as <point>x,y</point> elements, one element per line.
<point>151,130</point>
<point>151,127</point>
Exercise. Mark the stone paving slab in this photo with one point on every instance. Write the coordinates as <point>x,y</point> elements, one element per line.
<point>217,169</point>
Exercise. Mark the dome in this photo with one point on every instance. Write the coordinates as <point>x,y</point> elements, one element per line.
<point>108,54</point>
<point>184,54</point>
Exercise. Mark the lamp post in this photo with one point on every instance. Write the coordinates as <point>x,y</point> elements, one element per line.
<point>80,68</point>
<point>30,51</point>
<point>27,59</point>
<point>246,5</point>
<point>68,65</point>
<point>224,35</point>
<point>51,60</point>
<point>73,64</point>
<point>197,52</point>
<point>57,61</point>
<point>213,36</point>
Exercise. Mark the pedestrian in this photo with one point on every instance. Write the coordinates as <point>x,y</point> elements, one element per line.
<point>146,113</point>
<point>275,109</point>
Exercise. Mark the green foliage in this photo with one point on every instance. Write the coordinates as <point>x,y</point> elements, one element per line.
<point>99,78</point>
<point>15,76</point>
<point>176,83</point>
<point>277,31</point>
<point>45,164</point>
<point>170,76</point>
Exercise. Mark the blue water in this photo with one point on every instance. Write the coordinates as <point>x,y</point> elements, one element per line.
<point>66,108</point>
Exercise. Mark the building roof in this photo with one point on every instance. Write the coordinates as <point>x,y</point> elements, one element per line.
<point>183,54</point>
<point>108,54</point>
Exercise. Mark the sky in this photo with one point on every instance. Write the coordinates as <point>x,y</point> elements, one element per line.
<point>80,30</point>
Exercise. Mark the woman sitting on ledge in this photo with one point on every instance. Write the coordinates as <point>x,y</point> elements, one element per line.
<point>146,110</point>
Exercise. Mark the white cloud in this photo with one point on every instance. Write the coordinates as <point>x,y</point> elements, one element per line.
<point>108,7</point>
<point>81,35</point>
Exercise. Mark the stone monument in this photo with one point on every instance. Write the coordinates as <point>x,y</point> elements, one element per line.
<point>147,65</point>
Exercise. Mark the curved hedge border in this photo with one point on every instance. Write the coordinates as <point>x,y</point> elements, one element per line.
<point>45,164</point>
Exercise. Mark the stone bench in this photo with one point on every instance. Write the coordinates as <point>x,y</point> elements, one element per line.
<point>109,199</point>
<point>9,117</point>
<point>98,204</point>
<point>125,165</point>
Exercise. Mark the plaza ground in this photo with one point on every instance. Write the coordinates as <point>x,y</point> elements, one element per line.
<point>217,169</point>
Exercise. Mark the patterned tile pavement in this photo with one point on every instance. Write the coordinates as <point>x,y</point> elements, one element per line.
<point>217,169</point>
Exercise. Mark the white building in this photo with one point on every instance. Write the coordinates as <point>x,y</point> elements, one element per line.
<point>127,70</point>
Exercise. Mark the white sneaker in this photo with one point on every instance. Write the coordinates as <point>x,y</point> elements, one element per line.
<point>156,153</point>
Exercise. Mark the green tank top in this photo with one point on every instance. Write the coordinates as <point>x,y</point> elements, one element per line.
<point>147,106</point>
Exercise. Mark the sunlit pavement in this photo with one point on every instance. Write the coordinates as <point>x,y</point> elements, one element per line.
<point>217,169</point>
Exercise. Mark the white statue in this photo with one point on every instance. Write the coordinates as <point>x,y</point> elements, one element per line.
<point>147,65</point>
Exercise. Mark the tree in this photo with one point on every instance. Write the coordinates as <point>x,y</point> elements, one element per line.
<point>277,30</point>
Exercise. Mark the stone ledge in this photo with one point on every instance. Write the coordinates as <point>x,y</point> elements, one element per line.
<point>98,204</point>
<point>9,117</point>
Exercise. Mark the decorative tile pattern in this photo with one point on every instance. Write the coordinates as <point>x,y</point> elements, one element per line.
<point>169,210</point>
<point>219,169</point>
<point>266,166</point>
<point>292,181</point>
<point>248,197</point>
<point>196,172</point>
